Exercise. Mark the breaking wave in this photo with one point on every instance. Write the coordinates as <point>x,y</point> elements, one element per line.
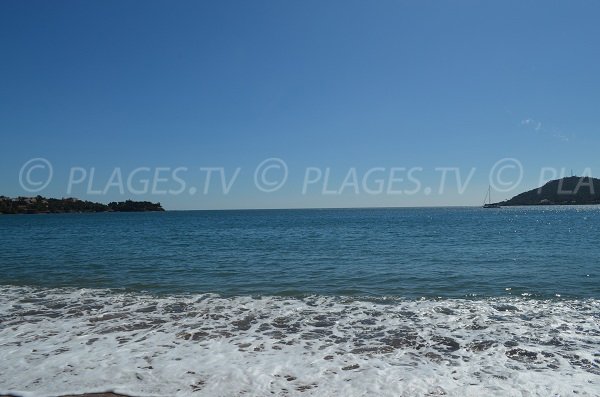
<point>59,341</point>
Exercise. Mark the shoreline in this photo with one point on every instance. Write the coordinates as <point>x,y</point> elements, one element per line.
<point>75,341</point>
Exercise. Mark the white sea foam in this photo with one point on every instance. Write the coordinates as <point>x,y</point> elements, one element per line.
<point>57,341</point>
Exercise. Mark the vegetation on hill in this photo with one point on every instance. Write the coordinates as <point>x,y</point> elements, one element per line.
<point>566,191</point>
<point>43,205</point>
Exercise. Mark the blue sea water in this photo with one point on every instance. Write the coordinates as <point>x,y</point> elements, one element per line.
<point>410,253</point>
<point>352,302</point>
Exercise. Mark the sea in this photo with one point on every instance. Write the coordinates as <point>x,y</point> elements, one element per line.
<point>323,302</point>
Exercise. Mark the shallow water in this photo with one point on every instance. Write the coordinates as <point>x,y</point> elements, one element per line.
<point>55,340</point>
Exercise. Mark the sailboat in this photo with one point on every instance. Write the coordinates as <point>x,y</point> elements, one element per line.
<point>487,202</point>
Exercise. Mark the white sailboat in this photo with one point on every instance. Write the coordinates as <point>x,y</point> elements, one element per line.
<point>487,202</point>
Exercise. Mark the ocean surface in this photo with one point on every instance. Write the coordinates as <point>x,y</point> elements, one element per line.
<point>399,302</point>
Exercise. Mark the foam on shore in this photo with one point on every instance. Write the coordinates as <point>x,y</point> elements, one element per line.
<point>59,341</point>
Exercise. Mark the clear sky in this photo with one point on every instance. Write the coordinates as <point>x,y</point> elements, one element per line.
<point>336,84</point>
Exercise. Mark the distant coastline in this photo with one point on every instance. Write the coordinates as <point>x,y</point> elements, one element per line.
<point>43,205</point>
<point>573,190</point>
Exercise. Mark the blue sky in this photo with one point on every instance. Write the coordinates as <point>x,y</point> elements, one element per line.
<point>336,84</point>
